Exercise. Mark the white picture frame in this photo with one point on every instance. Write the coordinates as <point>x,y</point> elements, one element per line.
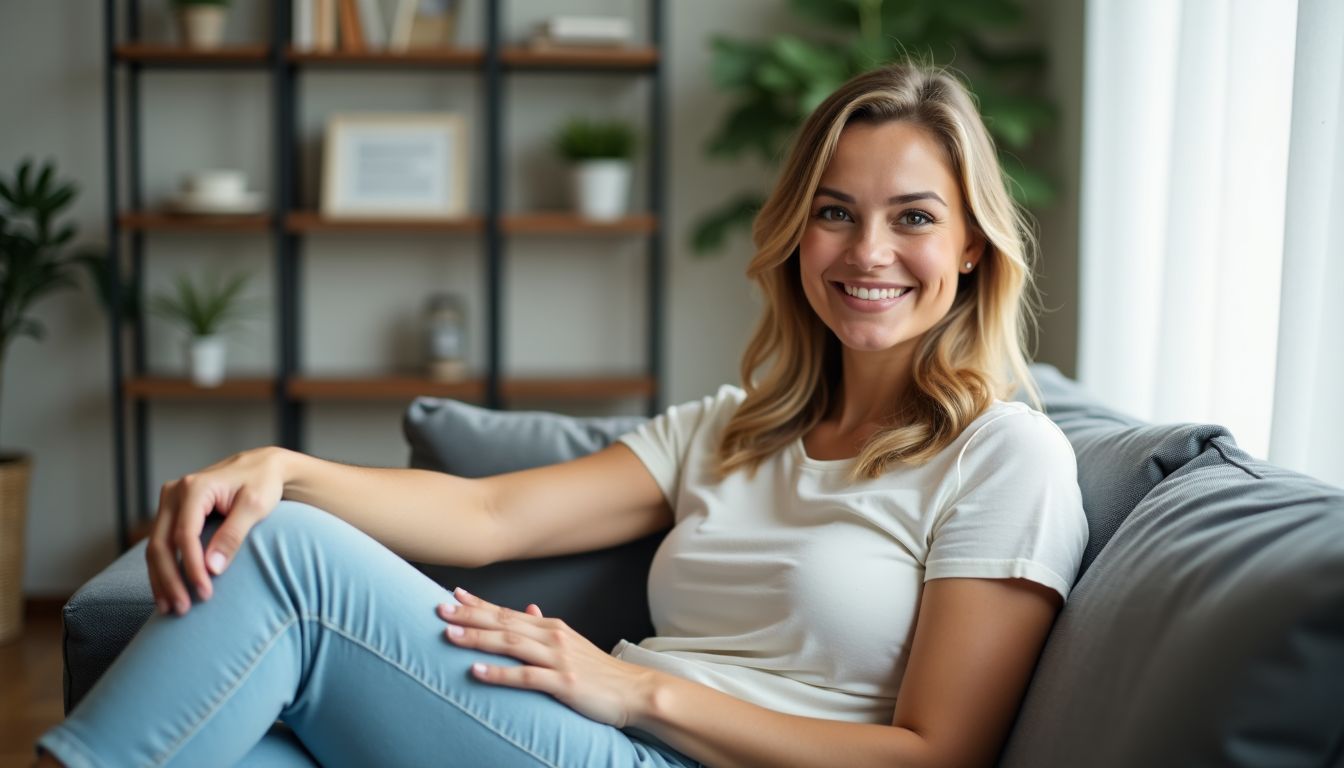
<point>395,165</point>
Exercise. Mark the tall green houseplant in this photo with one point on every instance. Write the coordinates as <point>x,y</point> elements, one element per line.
<point>34,262</point>
<point>34,250</point>
<point>776,83</point>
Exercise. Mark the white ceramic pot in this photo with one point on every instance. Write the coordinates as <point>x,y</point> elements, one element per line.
<point>207,360</point>
<point>201,26</point>
<point>602,189</point>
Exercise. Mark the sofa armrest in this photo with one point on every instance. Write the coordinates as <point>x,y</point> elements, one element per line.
<point>101,618</point>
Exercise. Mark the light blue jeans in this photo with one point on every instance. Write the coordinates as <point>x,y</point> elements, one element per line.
<point>319,626</point>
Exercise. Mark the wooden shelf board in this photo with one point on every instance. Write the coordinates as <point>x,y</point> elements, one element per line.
<point>575,387</point>
<point>405,387</point>
<point>561,222</point>
<point>164,387</point>
<point>152,53</point>
<point>390,387</point>
<point>156,220</point>
<point>422,57</point>
<point>579,58</point>
<point>311,221</point>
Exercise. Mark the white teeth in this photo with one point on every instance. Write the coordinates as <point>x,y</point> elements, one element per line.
<point>875,294</point>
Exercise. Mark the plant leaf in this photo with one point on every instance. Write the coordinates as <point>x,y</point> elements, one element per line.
<point>836,13</point>
<point>734,63</point>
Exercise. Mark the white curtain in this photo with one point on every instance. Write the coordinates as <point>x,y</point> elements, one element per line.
<point>1213,219</point>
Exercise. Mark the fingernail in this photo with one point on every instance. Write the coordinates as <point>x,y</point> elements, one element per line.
<point>216,560</point>
<point>454,630</point>
<point>449,608</point>
<point>162,605</point>
<point>478,669</point>
<point>183,606</point>
<point>462,591</point>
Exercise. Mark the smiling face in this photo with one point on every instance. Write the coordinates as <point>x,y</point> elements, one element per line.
<point>886,239</point>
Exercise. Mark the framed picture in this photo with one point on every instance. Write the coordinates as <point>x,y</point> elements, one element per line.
<point>395,165</point>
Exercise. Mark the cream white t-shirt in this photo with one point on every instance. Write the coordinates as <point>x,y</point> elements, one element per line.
<point>798,591</point>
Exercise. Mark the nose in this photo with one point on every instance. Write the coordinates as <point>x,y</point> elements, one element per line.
<point>874,246</point>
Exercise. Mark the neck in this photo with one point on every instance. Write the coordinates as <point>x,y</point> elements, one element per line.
<point>872,385</point>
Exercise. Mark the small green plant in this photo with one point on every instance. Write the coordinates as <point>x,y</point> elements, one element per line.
<point>206,309</point>
<point>582,139</point>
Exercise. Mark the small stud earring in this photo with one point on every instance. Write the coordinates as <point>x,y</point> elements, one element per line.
<point>969,266</point>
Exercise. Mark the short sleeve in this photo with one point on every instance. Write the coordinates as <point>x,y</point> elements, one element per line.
<point>1017,511</point>
<point>663,442</point>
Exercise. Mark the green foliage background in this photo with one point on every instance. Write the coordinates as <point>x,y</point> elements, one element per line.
<point>777,82</point>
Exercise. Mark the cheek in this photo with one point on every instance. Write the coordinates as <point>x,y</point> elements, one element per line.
<point>934,267</point>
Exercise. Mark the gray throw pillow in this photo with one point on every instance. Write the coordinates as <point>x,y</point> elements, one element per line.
<point>1120,459</point>
<point>1210,631</point>
<point>471,441</point>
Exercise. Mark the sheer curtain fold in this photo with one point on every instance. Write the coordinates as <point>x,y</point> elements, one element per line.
<point>1308,426</point>
<point>1191,297</point>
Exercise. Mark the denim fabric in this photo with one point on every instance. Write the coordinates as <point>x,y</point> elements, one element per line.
<point>318,625</point>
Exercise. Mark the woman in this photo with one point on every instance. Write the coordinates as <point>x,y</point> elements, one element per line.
<point>866,519</point>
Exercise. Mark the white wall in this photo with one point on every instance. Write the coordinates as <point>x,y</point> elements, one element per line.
<point>571,306</point>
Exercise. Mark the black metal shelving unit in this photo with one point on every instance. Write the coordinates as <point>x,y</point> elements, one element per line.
<point>127,234</point>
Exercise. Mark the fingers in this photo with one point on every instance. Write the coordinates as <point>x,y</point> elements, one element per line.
<point>534,610</point>
<point>195,504</point>
<point>170,593</point>
<point>247,511</point>
<point>532,678</point>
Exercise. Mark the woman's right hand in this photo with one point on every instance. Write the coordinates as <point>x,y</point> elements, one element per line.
<point>245,487</point>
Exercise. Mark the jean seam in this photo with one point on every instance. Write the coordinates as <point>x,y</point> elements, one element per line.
<point>72,742</point>
<point>215,706</point>
<point>442,695</point>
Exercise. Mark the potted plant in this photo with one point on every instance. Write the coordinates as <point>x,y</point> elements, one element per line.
<point>34,263</point>
<point>200,23</point>
<point>599,152</point>
<point>204,311</point>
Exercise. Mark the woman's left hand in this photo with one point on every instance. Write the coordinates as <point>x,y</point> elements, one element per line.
<point>556,659</point>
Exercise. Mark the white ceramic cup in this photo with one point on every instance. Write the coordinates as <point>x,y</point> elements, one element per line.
<point>215,186</point>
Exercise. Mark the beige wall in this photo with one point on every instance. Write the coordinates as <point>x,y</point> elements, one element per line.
<point>573,305</point>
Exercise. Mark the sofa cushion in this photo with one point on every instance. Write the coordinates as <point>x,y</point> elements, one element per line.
<point>604,594</point>
<point>1120,459</point>
<point>1209,632</point>
<point>470,441</point>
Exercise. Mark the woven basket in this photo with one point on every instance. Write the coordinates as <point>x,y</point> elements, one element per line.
<point>14,473</point>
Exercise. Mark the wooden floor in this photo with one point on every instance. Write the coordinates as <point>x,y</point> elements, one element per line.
<point>30,683</point>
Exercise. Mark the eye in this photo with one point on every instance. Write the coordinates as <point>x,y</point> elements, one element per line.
<point>833,213</point>
<point>915,218</point>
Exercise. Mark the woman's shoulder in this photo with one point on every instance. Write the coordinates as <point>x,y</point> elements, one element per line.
<point>1011,426</point>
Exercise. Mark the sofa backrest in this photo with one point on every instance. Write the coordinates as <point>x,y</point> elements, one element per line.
<point>1210,631</point>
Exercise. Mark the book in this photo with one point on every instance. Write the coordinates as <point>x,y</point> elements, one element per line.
<point>301,32</point>
<point>324,25</point>
<point>561,31</point>
<point>403,16</point>
<point>371,20</point>
<point>352,32</point>
<point>434,25</point>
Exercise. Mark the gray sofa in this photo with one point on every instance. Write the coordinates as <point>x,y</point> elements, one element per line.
<point>1206,627</point>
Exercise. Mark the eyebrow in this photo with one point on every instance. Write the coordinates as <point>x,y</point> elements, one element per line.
<point>909,197</point>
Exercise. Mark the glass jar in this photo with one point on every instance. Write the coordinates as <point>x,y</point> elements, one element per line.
<point>445,338</point>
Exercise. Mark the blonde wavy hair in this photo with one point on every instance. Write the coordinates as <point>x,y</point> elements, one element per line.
<point>972,355</point>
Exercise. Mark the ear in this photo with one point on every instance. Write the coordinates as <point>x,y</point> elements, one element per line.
<point>972,253</point>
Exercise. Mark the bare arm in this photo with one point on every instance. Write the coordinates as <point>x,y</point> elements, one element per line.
<point>975,646</point>
<point>596,501</point>
<point>422,515</point>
